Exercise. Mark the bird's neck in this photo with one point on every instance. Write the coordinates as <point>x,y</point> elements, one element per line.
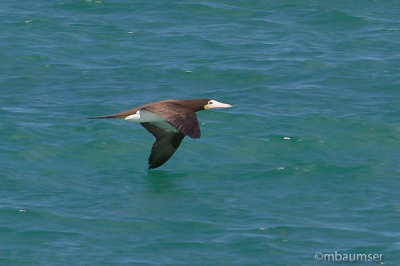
<point>195,104</point>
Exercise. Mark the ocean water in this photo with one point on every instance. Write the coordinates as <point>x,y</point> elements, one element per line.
<point>307,161</point>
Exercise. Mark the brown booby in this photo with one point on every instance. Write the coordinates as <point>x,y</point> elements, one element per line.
<point>169,121</point>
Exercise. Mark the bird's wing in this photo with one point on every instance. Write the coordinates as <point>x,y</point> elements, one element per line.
<point>167,142</point>
<point>183,119</point>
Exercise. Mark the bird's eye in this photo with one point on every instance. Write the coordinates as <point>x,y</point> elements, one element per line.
<point>210,102</point>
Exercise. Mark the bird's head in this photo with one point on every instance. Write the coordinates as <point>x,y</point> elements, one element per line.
<point>215,104</point>
<point>202,104</point>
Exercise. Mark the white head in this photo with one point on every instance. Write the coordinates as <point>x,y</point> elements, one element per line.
<point>215,104</point>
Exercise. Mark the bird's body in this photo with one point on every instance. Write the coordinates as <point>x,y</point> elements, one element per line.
<point>169,121</point>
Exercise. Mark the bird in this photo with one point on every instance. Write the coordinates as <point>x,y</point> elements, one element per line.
<point>169,121</point>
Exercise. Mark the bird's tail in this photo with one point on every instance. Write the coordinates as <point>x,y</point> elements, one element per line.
<point>104,116</point>
<point>118,115</point>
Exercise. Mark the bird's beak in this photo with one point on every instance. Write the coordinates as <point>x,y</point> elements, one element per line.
<point>216,104</point>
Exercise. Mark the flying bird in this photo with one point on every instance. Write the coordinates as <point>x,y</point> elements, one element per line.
<point>169,121</point>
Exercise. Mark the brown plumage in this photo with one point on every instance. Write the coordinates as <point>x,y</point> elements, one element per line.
<point>169,121</point>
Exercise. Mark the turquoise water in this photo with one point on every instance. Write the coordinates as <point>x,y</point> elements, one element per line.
<point>307,161</point>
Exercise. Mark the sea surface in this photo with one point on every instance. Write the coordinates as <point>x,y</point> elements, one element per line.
<point>306,161</point>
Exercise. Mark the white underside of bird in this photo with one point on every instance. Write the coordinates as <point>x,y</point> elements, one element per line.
<point>143,116</point>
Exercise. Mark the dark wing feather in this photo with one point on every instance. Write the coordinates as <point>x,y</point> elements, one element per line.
<point>183,119</point>
<point>167,142</point>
